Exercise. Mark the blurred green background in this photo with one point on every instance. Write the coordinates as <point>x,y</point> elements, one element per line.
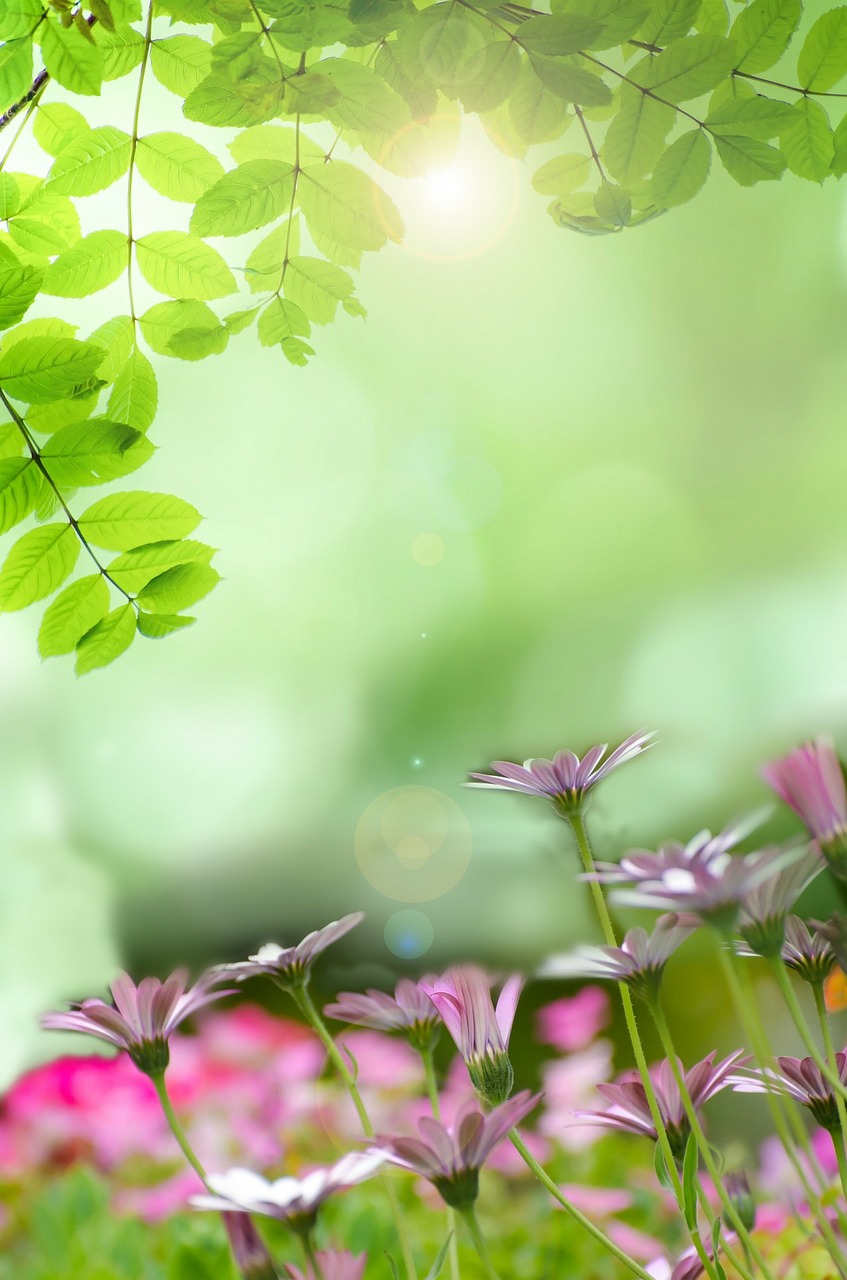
<point>552,490</point>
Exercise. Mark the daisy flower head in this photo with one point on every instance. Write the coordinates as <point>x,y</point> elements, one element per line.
<point>291,967</point>
<point>639,961</point>
<point>409,1012</point>
<point>480,1031</point>
<point>566,780</point>
<point>140,1018</point>
<point>810,780</point>
<point>451,1156</point>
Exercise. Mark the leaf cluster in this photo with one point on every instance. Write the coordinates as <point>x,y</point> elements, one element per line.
<point>316,96</point>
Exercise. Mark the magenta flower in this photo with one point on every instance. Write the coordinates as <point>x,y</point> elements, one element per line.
<point>701,850</point>
<point>629,1110</point>
<point>248,1248</point>
<point>800,1079</point>
<point>451,1156</point>
<point>573,1021</point>
<point>409,1011</point>
<point>811,781</point>
<point>333,1266</point>
<point>481,1032</point>
<point>565,780</point>
<point>639,961</point>
<point>290,967</point>
<point>294,1201</point>
<point>141,1018</point>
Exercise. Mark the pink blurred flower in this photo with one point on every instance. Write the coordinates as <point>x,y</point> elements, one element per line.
<point>574,1021</point>
<point>160,1201</point>
<point>634,1242</point>
<point>598,1202</point>
<point>334,1266</point>
<point>569,1086</point>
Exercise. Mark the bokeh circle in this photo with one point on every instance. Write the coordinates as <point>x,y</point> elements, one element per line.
<point>409,934</point>
<point>413,844</point>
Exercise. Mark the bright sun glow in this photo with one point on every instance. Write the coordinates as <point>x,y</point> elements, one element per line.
<point>449,188</point>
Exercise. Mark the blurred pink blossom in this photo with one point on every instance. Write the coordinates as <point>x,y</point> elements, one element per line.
<point>569,1084</point>
<point>574,1021</point>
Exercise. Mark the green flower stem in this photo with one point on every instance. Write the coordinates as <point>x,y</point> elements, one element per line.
<point>828,1069</point>
<point>838,1140</point>
<point>749,1019</point>
<point>176,1128</point>
<point>546,1181</point>
<point>704,1148</point>
<point>581,837</point>
<point>311,1256</point>
<point>479,1242</point>
<point>306,1006</point>
<point>432,1093</point>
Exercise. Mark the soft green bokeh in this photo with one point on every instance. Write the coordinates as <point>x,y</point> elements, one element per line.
<point>631,451</point>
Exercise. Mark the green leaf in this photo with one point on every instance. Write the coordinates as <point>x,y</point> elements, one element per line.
<point>613,204</point>
<point>237,56</point>
<point>92,264</point>
<point>46,418</point>
<point>134,569</point>
<point>217,101</point>
<point>245,198</point>
<point>238,321</point>
<point>282,319</point>
<point>839,159</point>
<point>344,203</point>
<point>366,102</point>
<point>561,175</point>
<point>19,18</point>
<point>749,161</point>
<point>91,162</point>
<point>572,81</point>
<point>263,268</point>
<point>440,1258</point>
<point>536,114</point>
<point>446,39</point>
<point>19,287</point>
<point>15,70</point>
<point>123,51</point>
<point>559,34</point>
<point>807,143</point>
<point>491,75</point>
<point>46,224</point>
<point>106,640</point>
<point>39,370</point>
<point>301,25</point>
<point>620,19</point>
<point>181,62</point>
<point>823,58</point>
<point>274,142</point>
<point>402,71</point>
<point>162,322</point>
<point>126,520</point>
<point>55,124</point>
<point>75,610</point>
<point>636,136</point>
<point>682,170</point>
<point>10,197</point>
<point>135,394</point>
<point>73,61</point>
<point>669,20</point>
<point>178,588</point>
<point>159,627</point>
<point>20,485</point>
<point>690,67</point>
<point>754,117</point>
<point>177,166</point>
<point>689,1182</point>
<point>11,440</point>
<point>183,266</point>
<point>762,32</point>
<point>317,287</point>
<point>94,451</point>
<point>296,351</point>
<point>117,338</point>
<point>37,564</point>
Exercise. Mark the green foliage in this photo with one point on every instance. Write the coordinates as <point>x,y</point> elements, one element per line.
<point>323,94</point>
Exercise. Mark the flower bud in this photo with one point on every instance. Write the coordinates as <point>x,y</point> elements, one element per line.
<point>743,1201</point>
<point>248,1249</point>
<point>492,1076</point>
